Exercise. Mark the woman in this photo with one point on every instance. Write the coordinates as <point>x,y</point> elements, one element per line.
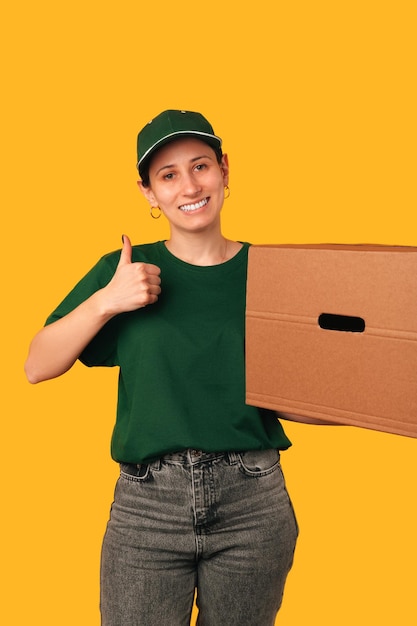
<point>201,503</point>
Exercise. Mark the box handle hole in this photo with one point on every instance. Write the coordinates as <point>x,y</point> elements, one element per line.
<point>343,323</point>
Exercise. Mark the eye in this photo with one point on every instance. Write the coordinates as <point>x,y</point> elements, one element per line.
<point>200,166</point>
<point>169,176</point>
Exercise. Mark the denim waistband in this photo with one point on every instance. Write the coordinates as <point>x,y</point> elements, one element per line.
<point>187,457</point>
<point>191,456</point>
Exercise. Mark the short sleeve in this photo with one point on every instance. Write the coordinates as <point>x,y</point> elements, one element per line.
<point>102,349</point>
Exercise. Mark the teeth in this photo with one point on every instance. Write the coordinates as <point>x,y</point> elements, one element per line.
<point>194,207</point>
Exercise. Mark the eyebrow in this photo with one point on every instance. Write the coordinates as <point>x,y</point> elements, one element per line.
<point>197,158</point>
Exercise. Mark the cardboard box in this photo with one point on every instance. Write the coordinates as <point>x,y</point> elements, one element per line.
<point>331,333</point>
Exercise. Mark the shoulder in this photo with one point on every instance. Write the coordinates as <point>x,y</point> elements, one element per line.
<point>145,253</point>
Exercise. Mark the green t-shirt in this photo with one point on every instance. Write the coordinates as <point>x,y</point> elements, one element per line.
<point>181,360</point>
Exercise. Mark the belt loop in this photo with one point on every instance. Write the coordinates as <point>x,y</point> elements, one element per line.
<point>156,464</point>
<point>232,457</point>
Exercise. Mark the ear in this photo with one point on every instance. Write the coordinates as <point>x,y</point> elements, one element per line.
<point>148,193</point>
<point>224,166</point>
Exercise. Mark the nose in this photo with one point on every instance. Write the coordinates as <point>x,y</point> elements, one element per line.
<point>191,186</point>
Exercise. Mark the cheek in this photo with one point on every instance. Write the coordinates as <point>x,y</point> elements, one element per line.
<point>164,196</point>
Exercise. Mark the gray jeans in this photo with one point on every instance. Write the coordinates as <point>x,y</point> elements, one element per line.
<point>220,524</point>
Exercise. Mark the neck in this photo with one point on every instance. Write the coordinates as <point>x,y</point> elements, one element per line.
<point>200,250</point>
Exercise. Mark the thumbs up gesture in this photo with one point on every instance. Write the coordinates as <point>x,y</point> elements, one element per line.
<point>134,285</point>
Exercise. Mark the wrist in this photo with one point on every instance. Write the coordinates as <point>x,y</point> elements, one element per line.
<point>102,306</point>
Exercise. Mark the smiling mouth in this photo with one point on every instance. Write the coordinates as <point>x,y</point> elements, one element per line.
<point>189,208</point>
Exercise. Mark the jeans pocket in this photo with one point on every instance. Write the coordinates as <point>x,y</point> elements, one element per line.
<point>259,462</point>
<point>135,473</point>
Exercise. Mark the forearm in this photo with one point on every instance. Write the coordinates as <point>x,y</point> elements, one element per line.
<point>56,347</point>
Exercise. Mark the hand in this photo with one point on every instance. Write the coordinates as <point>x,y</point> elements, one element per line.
<point>134,285</point>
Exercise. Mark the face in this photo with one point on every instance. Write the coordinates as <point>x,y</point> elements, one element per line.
<point>187,183</point>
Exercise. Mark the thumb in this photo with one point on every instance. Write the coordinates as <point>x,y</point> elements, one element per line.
<point>126,253</point>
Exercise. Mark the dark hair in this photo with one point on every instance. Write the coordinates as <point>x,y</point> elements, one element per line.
<point>145,165</point>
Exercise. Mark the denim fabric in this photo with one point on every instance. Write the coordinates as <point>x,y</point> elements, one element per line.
<point>218,524</point>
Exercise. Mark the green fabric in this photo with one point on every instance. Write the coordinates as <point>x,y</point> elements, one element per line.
<point>182,377</point>
<point>170,125</point>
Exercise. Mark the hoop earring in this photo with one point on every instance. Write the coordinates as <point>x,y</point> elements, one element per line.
<point>227,192</point>
<point>155,217</point>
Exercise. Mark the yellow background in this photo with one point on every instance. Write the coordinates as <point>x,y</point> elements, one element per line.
<point>316,104</point>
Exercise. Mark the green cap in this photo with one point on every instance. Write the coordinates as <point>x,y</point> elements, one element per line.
<point>170,125</point>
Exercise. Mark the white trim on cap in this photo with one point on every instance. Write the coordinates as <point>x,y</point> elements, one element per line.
<point>178,132</point>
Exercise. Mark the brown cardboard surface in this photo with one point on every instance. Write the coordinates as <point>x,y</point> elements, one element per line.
<point>293,365</point>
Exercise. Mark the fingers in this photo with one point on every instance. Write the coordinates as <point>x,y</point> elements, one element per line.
<point>126,253</point>
<point>126,259</point>
<point>152,269</point>
<point>134,284</point>
<point>153,281</point>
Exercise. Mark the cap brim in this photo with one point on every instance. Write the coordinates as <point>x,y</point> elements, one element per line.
<point>213,141</point>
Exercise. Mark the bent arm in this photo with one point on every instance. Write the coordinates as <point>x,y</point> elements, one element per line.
<point>56,347</point>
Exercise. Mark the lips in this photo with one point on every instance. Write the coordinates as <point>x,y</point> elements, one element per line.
<point>189,208</point>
